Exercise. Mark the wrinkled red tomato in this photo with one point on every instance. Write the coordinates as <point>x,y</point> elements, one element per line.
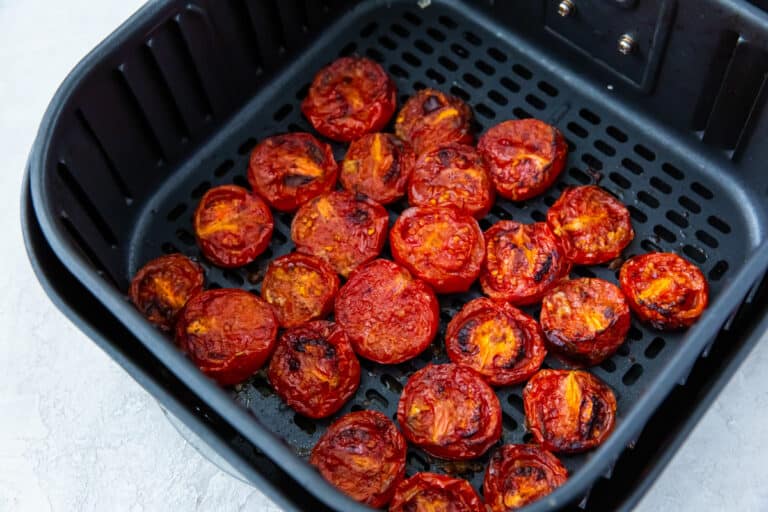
<point>497,340</point>
<point>522,262</point>
<point>431,118</point>
<point>664,289</point>
<point>340,228</point>
<point>161,288</point>
<point>288,170</point>
<point>378,165</point>
<point>389,315</point>
<point>363,455</point>
<point>314,369</point>
<point>450,412</point>
<point>440,245</point>
<point>585,319</point>
<point>350,97</point>
<point>232,226</point>
<point>593,226</point>
<point>228,333</point>
<point>452,175</point>
<point>569,411</point>
<point>524,157</point>
<point>519,474</point>
<point>300,288</point>
<point>430,492</point>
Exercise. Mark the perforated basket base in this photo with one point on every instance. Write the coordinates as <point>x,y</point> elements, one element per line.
<point>671,200</point>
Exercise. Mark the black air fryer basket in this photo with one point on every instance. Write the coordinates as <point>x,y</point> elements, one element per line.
<point>662,102</point>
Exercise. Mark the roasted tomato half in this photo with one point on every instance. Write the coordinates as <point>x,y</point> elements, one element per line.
<point>389,315</point>
<point>522,262</point>
<point>585,319</point>
<point>519,474</point>
<point>524,157</point>
<point>349,98</point>
<point>497,340</point>
<point>161,288</point>
<point>664,289</point>
<point>363,455</point>
<point>452,175</point>
<point>228,333</point>
<point>300,288</point>
<point>314,369</point>
<point>593,226</point>
<point>440,245</point>
<point>288,170</point>
<point>430,492</point>
<point>568,411</point>
<point>342,229</point>
<point>430,118</point>
<point>450,412</point>
<point>232,226</point>
<point>378,165</point>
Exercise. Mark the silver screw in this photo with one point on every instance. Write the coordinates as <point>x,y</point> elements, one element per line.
<point>566,8</point>
<point>627,44</point>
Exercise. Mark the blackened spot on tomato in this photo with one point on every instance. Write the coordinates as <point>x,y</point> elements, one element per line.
<point>300,345</point>
<point>431,104</point>
<point>293,364</point>
<point>315,153</point>
<point>445,157</point>
<point>359,216</point>
<point>297,180</point>
<point>394,170</point>
<point>543,270</point>
<point>530,471</point>
<point>464,337</point>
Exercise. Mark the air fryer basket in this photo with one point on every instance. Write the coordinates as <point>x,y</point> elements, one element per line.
<point>173,103</point>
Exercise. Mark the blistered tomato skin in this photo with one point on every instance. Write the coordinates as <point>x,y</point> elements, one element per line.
<point>431,118</point>
<point>440,245</point>
<point>288,170</point>
<point>568,411</point>
<point>497,340</point>
<point>585,319</point>
<point>349,98</point>
<point>363,455</point>
<point>343,229</point>
<point>524,157</point>
<point>519,474</point>
<point>389,315</point>
<point>452,175</point>
<point>379,166</point>
<point>450,412</point>
<point>300,288</point>
<point>227,333</point>
<point>163,286</point>
<point>664,289</point>
<point>232,226</point>
<point>430,492</point>
<point>522,262</point>
<point>593,226</point>
<point>314,369</point>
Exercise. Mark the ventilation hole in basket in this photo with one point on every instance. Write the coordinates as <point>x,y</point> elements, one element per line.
<point>356,408</point>
<point>302,92</point>
<point>185,237</point>
<point>592,161</point>
<point>397,71</point>
<point>508,422</point>
<point>412,18</point>
<point>647,199</point>
<point>376,398</point>
<point>634,333</point>
<point>417,462</point>
<point>485,67</point>
<point>579,176</point>
<point>348,50</point>
<point>447,22</point>
<point>169,248</point>
<point>583,272</point>
<point>293,127</point>
<point>387,42</point>
<point>500,212</point>
<point>660,185</point>
<point>697,254</point>
<point>423,46</point>
<point>472,39</point>
<point>672,171</point>
<point>702,190</point>
<point>636,214</point>
<point>522,71</point>
<point>391,383</point>
<point>472,80</point>
<point>521,113</point>
<point>369,29</point>
<point>538,216</point>
<point>485,224</point>
<point>436,76</point>
<point>485,111</point>
<point>650,246</point>
<point>571,145</point>
<point>497,55</point>
<point>436,34</point>
<point>224,168</point>
<point>233,277</point>
<point>400,30</point>
<point>419,85</point>
<point>549,201</point>
<point>446,314</point>
<point>375,55</point>
<point>260,384</point>
<point>719,224</point>
<point>632,166</point>
<point>516,402</point>
<point>644,152</point>
<point>459,92</point>
<point>448,63</point>
<point>664,234</point>
<point>411,59</point>
<point>707,239</point>
<point>689,204</point>
<point>620,180</point>
<point>305,424</point>
<point>535,102</point>
<point>623,350</point>
<point>176,211</point>
<point>616,134</point>
<point>719,270</point>
<point>548,89</point>
<point>459,50</point>
<point>654,348</point>
<point>510,85</point>
<point>605,148</point>
<point>240,181</point>
<point>282,112</point>
<point>608,366</point>
<point>677,219</point>
<point>246,147</point>
<point>497,97</point>
<point>577,129</point>
<point>590,116</point>
<point>634,373</point>
<point>214,285</point>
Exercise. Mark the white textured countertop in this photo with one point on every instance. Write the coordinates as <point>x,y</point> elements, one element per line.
<point>78,434</point>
